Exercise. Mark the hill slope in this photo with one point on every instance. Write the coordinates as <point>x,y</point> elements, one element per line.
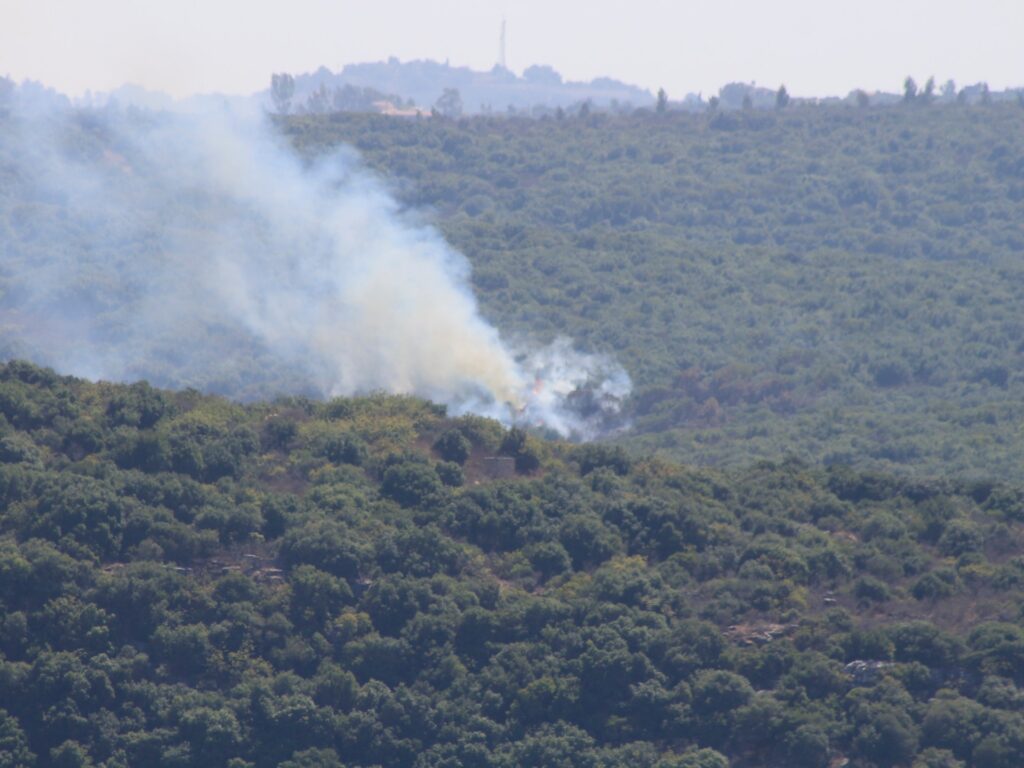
<point>189,582</point>
<point>842,284</point>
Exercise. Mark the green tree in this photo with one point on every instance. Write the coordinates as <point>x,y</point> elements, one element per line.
<point>452,445</point>
<point>317,595</point>
<point>807,746</point>
<point>781,98</point>
<point>661,105</point>
<point>14,747</point>
<point>927,95</point>
<point>313,758</point>
<point>70,754</point>
<point>909,90</point>
<point>412,483</point>
<point>549,557</point>
<point>587,541</point>
<point>282,89</point>
<point>521,447</point>
<point>449,103</point>
<point>886,736</point>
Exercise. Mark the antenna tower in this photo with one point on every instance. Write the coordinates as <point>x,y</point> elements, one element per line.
<point>501,47</point>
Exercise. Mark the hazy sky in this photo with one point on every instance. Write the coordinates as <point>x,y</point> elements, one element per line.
<point>815,47</point>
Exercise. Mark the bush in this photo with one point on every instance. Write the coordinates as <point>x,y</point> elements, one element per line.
<point>345,449</point>
<point>549,558</point>
<point>593,456</point>
<point>453,446</point>
<point>935,585</point>
<point>587,541</point>
<point>718,691</point>
<point>279,433</point>
<point>412,484</point>
<point>807,747</point>
<point>871,589</point>
<point>19,448</point>
<point>518,445</point>
<point>960,537</point>
<point>325,545</point>
<point>450,473</point>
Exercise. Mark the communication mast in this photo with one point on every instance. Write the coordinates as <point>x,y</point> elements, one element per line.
<point>501,47</point>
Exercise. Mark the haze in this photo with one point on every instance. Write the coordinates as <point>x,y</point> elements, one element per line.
<point>816,48</point>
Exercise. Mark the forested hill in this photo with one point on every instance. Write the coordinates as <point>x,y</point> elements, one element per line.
<point>185,581</point>
<point>842,284</point>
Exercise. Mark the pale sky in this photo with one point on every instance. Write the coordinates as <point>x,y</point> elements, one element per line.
<point>814,47</point>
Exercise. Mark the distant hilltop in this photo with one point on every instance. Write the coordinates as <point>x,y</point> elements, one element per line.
<point>411,84</point>
<point>389,87</point>
<point>415,88</point>
<point>423,88</point>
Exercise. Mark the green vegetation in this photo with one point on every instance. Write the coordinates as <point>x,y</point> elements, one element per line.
<point>821,309</point>
<point>841,284</point>
<point>185,581</point>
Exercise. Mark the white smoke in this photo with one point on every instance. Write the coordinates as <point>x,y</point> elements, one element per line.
<point>572,392</point>
<point>202,251</point>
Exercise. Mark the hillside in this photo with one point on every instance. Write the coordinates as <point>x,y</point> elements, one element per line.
<point>185,581</point>
<point>841,284</point>
<point>496,90</point>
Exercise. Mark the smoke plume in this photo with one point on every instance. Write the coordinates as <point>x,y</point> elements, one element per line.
<point>201,250</point>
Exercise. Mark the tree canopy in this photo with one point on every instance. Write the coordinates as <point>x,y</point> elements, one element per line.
<point>837,283</point>
<point>185,581</point>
